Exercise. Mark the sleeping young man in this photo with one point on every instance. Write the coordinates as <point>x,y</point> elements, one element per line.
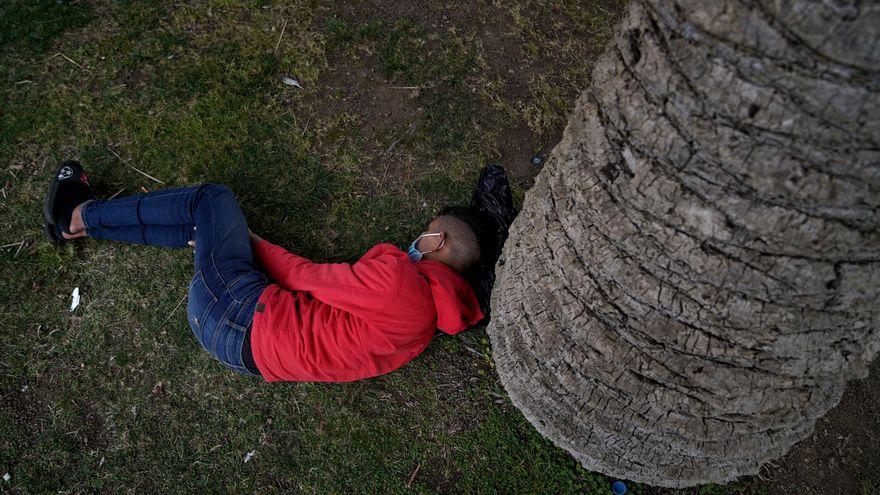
<point>262,310</point>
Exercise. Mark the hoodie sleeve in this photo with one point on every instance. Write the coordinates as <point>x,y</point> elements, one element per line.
<point>362,288</point>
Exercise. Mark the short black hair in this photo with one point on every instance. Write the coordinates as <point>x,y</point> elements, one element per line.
<point>462,245</point>
<point>478,224</point>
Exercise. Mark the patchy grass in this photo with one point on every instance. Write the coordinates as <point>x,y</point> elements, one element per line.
<point>869,480</point>
<point>118,394</point>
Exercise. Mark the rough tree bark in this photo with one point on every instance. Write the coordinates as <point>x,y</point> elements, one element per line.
<point>694,276</point>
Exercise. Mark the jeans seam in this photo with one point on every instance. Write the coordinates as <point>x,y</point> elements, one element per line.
<point>200,320</point>
<point>241,352</point>
<point>244,335</point>
<point>201,272</point>
<point>244,305</point>
<point>247,302</point>
<point>236,279</point>
<point>85,210</point>
<point>221,321</point>
<point>235,325</point>
<point>223,280</point>
<point>238,313</point>
<point>127,202</point>
<point>232,284</point>
<point>231,338</point>
<point>137,211</point>
<point>211,252</point>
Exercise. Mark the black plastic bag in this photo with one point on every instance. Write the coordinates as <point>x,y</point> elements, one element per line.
<point>489,215</point>
<point>492,203</point>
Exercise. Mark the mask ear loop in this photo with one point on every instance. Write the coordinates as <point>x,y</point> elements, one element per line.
<point>442,241</point>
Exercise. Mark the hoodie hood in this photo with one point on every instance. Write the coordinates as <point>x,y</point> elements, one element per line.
<point>457,305</point>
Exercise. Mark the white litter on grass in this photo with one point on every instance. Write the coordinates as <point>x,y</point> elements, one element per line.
<point>291,82</point>
<point>7,477</point>
<point>249,456</point>
<point>24,388</point>
<point>75,296</point>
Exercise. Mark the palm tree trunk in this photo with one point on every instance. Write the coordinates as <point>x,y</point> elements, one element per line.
<point>695,275</point>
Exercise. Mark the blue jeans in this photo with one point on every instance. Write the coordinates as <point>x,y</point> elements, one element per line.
<point>227,283</point>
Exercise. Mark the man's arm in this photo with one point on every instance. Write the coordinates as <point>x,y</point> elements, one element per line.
<point>362,288</point>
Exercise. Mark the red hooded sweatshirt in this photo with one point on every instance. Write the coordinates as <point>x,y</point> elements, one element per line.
<point>336,322</point>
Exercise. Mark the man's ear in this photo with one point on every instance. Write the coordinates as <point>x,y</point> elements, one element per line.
<point>444,236</point>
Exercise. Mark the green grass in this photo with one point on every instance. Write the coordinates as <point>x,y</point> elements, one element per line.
<point>118,395</point>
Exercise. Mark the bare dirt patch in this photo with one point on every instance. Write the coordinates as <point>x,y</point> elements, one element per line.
<point>843,454</point>
<point>508,68</point>
<point>386,114</point>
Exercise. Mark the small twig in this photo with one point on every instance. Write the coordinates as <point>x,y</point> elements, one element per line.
<point>384,173</point>
<point>24,81</point>
<point>279,37</point>
<point>413,477</point>
<point>427,85</point>
<point>408,131</point>
<point>306,128</point>
<point>173,311</point>
<point>473,351</point>
<point>4,192</point>
<point>19,249</point>
<point>133,167</point>
<point>71,61</point>
<point>117,193</point>
<point>13,244</point>
<point>391,148</point>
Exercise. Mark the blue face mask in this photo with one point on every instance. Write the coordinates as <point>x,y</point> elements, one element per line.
<point>416,255</point>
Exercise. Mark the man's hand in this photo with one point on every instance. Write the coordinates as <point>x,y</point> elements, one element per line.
<point>192,243</point>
